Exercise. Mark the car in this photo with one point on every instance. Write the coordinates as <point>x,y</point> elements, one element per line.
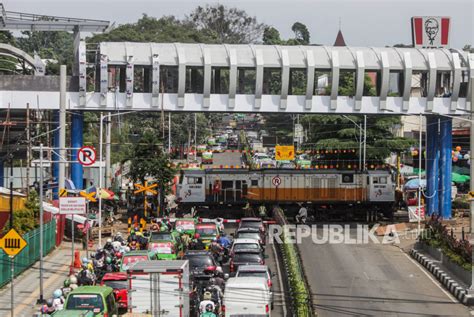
<point>185,226</point>
<point>286,165</point>
<point>247,257</point>
<point>96,300</point>
<point>165,245</point>
<point>246,245</point>
<point>247,296</point>
<point>119,282</point>
<point>132,257</point>
<point>252,222</point>
<point>207,157</point>
<point>257,271</point>
<point>267,163</point>
<point>200,262</point>
<point>207,232</point>
<point>250,233</point>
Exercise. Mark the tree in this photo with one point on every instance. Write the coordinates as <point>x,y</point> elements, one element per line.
<point>149,161</point>
<point>227,25</point>
<point>301,33</point>
<point>271,36</point>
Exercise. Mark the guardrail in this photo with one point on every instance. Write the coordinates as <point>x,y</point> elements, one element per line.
<point>299,292</point>
<point>30,254</point>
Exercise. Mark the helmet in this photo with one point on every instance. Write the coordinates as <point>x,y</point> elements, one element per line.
<point>85,266</point>
<point>219,270</point>
<point>49,302</point>
<point>57,293</point>
<point>154,227</point>
<point>136,229</point>
<point>132,232</point>
<point>209,307</point>
<point>108,260</point>
<point>207,296</point>
<point>73,286</point>
<point>85,260</point>
<point>72,280</point>
<point>118,255</point>
<point>118,234</point>
<point>109,241</point>
<point>127,249</point>
<point>197,236</point>
<point>67,282</point>
<point>212,280</point>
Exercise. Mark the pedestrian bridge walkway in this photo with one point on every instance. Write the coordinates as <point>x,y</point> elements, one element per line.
<point>257,78</point>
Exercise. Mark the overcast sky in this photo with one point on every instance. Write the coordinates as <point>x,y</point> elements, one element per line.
<point>364,22</point>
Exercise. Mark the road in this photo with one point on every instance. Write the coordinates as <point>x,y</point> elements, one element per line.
<point>372,280</point>
<point>227,158</point>
<point>272,263</point>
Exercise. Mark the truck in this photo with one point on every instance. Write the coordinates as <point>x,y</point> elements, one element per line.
<point>159,288</point>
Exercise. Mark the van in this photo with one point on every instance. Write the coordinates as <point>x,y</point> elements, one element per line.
<point>89,301</point>
<point>247,296</point>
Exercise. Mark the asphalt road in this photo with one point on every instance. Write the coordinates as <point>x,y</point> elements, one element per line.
<point>272,263</point>
<point>227,158</point>
<point>372,280</point>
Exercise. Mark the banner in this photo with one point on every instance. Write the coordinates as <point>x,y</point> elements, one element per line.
<point>413,213</point>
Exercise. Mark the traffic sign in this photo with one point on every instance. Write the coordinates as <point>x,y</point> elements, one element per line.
<point>284,152</point>
<point>471,194</point>
<point>145,188</point>
<point>63,192</point>
<point>87,155</point>
<point>12,243</point>
<point>72,205</point>
<point>88,196</point>
<point>276,181</point>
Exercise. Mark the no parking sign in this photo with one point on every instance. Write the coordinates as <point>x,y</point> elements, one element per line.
<point>87,155</point>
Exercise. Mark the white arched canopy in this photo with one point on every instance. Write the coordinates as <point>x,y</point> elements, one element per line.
<point>36,63</point>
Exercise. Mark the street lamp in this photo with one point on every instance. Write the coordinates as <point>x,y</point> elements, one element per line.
<point>360,139</point>
<point>101,180</point>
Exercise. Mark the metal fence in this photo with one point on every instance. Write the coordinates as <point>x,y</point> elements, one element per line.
<point>30,254</point>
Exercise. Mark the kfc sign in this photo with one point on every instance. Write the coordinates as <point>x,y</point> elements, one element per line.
<point>430,32</point>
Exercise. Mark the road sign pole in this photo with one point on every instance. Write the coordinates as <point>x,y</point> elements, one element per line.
<point>12,265</point>
<point>41,299</point>
<point>72,240</point>
<point>100,178</point>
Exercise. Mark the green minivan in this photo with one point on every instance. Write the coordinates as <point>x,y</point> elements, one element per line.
<point>89,301</point>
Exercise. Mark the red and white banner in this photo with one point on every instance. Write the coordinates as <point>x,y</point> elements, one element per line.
<point>430,32</point>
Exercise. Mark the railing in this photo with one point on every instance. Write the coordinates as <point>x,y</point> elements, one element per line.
<point>30,254</point>
<point>299,292</point>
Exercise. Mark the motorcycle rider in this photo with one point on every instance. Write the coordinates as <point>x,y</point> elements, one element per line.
<point>108,245</point>
<point>58,300</point>
<point>207,300</point>
<point>224,241</point>
<point>209,311</point>
<point>262,211</point>
<point>196,243</point>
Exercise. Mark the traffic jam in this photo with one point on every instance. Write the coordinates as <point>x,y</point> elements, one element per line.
<point>174,267</point>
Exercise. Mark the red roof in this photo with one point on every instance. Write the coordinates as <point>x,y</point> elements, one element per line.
<point>340,39</point>
<point>116,276</point>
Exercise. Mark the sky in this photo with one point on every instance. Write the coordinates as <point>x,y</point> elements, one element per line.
<point>363,22</point>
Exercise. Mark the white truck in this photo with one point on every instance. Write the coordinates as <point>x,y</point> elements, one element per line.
<point>247,296</point>
<point>159,288</point>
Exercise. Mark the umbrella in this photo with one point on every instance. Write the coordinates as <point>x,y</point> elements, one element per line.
<point>106,194</point>
<point>69,184</point>
<point>415,183</point>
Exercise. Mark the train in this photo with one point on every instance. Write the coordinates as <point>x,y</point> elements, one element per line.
<point>327,190</point>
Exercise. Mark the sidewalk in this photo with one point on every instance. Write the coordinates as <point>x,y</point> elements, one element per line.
<point>26,285</point>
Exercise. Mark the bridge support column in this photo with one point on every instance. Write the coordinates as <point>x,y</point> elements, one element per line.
<point>55,155</point>
<point>445,167</point>
<point>432,175</point>
<point>77,128</point>
<point>2,174</point>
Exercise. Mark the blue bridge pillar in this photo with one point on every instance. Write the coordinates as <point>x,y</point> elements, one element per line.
<point>432,155</point>
<point>445,167</point>
<point>77,128</point>
<point>2,174</point>
<point>55,156</point>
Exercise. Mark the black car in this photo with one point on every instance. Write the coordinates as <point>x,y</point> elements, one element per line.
<point>244,258</point>
<point>200,262</point>
<point>250,233</point>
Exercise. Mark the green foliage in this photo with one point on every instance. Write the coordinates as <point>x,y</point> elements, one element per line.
<point>461,203</point>
<point>26,219</point>
<point>226,25</point>
<point>149,161</point>
<point>57,46</point>
<point>302,35</point>
<point>271,36</point>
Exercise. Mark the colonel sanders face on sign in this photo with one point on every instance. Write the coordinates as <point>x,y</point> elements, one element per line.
<point>431,29</point>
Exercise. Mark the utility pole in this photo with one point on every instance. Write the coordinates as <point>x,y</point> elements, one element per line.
<point>108,137</point>
<point>419,173</point>
<point>471,148</point>
<point>365,141</point>
<point>62,127</point>
<point>28,151</point>
<point>195,136</point>
<point>41,299</point>
<point>169,132</point>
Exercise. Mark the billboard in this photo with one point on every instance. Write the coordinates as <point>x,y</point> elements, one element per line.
<point>430,32</point>
<point>284,152</point>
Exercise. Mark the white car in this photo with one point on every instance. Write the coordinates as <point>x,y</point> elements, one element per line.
<point>247,296</point>
<point>257,271</point>
<point>246,245</point>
